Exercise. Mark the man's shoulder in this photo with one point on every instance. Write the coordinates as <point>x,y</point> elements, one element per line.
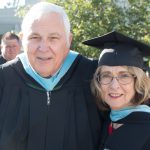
<point>10,65</point>
<point>89,64</point>
<point>84,66</point>
<point>2,60</point>
<point>87,60</point>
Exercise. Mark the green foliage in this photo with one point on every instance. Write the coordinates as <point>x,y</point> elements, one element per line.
<point>90,18</point>
<point>22,10</point>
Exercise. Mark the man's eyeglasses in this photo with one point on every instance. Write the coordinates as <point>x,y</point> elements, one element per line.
<point>124,78</point>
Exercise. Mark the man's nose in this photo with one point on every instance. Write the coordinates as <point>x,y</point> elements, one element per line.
<point>11,47</point>
<point>44,45</point>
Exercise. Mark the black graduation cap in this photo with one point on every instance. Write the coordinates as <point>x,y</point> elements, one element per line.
<point>120,50</point>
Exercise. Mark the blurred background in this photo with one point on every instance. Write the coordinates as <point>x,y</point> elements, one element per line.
<point>89,18</point>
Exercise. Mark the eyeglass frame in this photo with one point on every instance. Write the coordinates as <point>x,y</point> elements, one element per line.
<point>132,76</point>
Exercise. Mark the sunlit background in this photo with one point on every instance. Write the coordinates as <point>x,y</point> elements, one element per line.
<point>11,3</point>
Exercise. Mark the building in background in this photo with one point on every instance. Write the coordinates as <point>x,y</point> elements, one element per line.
<point>8,19</point>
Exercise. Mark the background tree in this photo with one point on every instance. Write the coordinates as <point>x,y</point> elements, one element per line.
<point>90,18</point>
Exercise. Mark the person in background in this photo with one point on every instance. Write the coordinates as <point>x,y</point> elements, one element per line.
<point>122,89</point>
<point>10,47</point>
<point>45,97</point>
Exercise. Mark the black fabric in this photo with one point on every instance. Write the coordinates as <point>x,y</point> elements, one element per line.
<point>70,122</point>
<point>134,134</point>
<point>120,50</point>
<point>2,60</point>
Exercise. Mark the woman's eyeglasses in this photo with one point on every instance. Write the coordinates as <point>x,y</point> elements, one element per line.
<point>124,78</point>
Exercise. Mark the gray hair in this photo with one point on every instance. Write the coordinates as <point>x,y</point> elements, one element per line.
<point>42,8</point>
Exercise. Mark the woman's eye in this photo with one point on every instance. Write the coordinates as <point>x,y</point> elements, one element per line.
<point>125,75</point>
<point>106,76</point>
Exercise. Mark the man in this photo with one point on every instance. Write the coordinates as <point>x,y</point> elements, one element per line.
<point>46,103</point>
<point>10,47</point>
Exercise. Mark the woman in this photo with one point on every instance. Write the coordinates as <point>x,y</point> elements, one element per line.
<point>122,88</point>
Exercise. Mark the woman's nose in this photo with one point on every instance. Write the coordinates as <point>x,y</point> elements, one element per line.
<point>114,83</point>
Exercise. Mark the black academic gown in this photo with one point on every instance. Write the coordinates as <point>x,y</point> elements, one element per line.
<point>134,134</point>
<point>2,60</point>
<point>34,119</point>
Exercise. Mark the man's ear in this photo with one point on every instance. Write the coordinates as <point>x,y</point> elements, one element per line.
<point>1,46</point>
<point>70,39</point>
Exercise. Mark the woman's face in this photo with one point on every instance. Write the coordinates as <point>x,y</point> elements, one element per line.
<point>119,92</point>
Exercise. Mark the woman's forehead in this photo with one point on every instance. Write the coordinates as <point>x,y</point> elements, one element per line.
<point>114,69</point>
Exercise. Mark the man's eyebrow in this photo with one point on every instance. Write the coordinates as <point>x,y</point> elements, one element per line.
<point>33,34</point>
<point>51,34</point>
<point>55,33</point>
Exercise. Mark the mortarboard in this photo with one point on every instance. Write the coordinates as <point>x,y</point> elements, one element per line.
<point>120,50</point>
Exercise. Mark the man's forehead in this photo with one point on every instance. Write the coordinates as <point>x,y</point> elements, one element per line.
<point>10,42</point>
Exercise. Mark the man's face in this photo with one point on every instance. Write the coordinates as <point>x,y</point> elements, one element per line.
<point>45,44</point>
<point>10,49</point>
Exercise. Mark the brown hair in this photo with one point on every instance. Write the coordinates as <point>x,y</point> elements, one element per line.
<point>9,36</point>
<point>142,87</point>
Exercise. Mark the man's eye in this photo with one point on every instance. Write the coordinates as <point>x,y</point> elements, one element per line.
<point>53,38</point>
<point>34,37</point>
